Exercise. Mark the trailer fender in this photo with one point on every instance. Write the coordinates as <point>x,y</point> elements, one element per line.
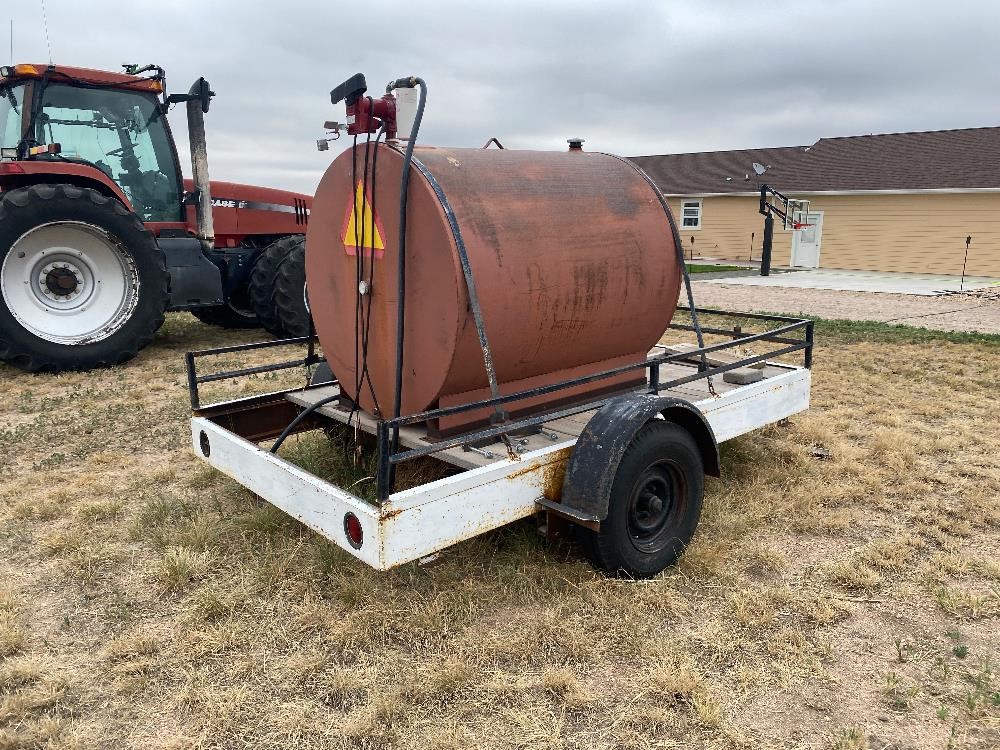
<point>591,469</point>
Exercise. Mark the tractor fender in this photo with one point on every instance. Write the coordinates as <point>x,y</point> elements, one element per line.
<point>591,469</point>
<point>81,175</point>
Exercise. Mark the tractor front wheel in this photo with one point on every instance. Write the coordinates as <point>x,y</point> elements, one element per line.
<point>82,281</point>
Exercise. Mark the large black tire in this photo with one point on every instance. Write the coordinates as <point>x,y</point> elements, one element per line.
<point>264,278</point>
<point>290,292</point>
<point>655,505</point>
<point>70,285</point>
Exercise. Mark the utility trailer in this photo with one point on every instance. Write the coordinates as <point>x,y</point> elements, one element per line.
<point>627,470</point>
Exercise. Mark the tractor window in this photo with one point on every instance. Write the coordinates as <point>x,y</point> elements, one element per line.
<point>11,103</point>
<point>122,133</point>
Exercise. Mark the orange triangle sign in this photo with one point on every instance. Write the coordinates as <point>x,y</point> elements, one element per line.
<point>364,232</point>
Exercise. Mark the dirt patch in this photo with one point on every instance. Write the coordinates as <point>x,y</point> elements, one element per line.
<point>843,589</point>
<point>978,312</point>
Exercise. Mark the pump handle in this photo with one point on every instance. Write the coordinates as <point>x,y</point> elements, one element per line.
<point>350,90</point>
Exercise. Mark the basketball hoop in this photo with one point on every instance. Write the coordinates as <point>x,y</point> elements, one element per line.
<point>793,212</point>
<point>796,214</point>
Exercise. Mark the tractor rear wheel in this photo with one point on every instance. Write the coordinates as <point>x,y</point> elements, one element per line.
<point>82,281</point>
<point>287,320</point>
<point>290,292</point>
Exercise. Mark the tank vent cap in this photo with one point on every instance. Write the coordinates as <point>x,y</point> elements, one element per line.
<point>575,144</point>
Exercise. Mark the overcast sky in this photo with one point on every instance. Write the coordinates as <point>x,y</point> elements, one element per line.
<point>630,77</point>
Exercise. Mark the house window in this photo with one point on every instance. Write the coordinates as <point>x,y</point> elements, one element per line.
<point>691,214</point>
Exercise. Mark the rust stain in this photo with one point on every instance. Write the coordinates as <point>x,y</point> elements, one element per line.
<point>552,473</point>
<point>391,513</point>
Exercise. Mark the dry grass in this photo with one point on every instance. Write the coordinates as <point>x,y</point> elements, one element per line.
<point>847,597</point>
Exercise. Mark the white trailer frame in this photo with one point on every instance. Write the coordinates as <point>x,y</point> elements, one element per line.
<point>417,522</point>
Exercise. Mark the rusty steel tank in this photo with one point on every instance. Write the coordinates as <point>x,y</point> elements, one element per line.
<point>573,258</point>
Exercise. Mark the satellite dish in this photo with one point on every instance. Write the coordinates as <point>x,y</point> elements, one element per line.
<point>759,168</point>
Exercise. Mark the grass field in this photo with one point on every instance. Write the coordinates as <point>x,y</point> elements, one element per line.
<point>843,590</point>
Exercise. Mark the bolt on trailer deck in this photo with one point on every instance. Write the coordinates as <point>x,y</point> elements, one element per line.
<point>590,464</point>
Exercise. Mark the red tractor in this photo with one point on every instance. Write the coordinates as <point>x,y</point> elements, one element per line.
<point>100,234</point>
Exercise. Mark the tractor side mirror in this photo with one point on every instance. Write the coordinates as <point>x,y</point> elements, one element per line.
<point>200,90</point>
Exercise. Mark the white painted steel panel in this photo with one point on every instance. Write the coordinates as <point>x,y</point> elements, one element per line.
<point>433,516</point>
<point>319,505</point>
<point>753,406</point>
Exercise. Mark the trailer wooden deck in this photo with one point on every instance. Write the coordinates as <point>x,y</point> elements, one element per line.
<point>697,392</point>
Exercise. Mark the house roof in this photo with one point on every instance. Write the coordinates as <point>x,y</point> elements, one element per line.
<point>934,160</point>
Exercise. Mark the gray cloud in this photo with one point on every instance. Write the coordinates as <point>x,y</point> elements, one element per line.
<point>631,77</point>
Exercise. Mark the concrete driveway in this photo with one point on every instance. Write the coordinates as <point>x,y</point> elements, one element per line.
<point>861,281</point>
<point>950,312</point>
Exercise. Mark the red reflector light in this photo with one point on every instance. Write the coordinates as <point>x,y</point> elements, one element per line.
<point>352,528</point>
<point>11,168</point>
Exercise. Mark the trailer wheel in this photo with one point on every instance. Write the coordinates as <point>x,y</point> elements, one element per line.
<point>656,501</point>
<point>83,283</point>
<point>290,291</point>
<point>264,278</point>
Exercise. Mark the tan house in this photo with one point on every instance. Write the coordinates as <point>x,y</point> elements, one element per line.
<point>898,202</point>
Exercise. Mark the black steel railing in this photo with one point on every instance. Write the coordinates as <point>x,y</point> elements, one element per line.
<point>195,380</point>
<point>780,335</point>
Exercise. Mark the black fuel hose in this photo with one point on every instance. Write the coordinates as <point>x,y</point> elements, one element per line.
<point>401,273</point>
<point>302,415</point>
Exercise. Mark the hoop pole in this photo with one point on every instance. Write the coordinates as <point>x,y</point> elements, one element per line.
<point>765,258</point>
<point>968,241</point>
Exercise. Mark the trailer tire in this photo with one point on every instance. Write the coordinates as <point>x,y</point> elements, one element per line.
<point>264,278</point>
<point>290,292</point>
<point>656,501</point>
<point>83,283</point>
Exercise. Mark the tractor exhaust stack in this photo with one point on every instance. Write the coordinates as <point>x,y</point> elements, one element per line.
<point>199,98</point>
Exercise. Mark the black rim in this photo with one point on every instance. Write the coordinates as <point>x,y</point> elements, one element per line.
<point>655,505</point>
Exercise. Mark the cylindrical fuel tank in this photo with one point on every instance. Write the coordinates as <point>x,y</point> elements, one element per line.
<point>573,257</point>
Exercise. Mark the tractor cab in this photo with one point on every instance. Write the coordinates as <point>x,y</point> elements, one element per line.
<point>112,122</point>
